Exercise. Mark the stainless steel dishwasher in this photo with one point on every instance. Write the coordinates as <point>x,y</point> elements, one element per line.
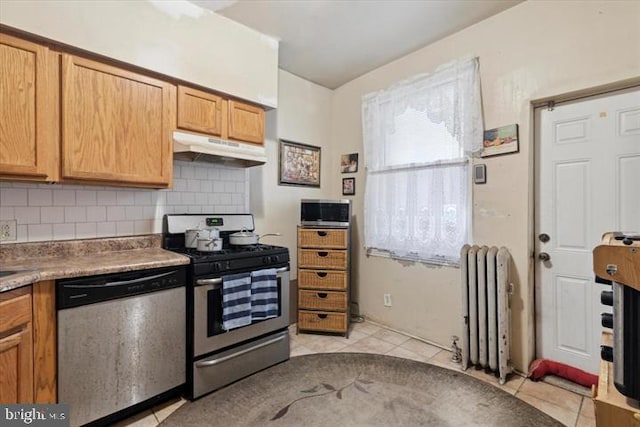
<point>121,341</point>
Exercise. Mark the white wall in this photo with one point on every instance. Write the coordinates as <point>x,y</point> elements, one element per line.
<point>176,38</point>
<point>60,212</point>
<point>528,52</point>
<point>303,115</point>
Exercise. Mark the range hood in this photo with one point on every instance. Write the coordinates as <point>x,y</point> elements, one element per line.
<point>192,147</point>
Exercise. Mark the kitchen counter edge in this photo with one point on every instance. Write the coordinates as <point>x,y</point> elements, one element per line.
<point>53,268</point>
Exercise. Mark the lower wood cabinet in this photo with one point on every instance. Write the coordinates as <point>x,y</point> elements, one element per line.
<point>28,356</point>
<point>16,346</point>
<point>323,280</point>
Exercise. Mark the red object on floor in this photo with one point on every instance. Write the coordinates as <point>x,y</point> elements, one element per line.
<point>541,367</point>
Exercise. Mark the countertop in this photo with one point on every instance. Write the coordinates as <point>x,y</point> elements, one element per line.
<point>78,258</point>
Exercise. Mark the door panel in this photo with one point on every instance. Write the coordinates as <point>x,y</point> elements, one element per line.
<point>116,124</point>
<point>588,169</point>
<point>200,111</point>
<point>246,122</point>
<point>28,117</point>
<point>628,200</point>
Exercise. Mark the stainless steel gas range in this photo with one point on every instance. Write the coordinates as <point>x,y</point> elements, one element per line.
<point>217,356</point>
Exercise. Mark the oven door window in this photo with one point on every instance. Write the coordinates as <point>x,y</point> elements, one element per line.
<point>214,310</point>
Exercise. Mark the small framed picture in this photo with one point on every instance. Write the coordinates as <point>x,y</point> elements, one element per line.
<point>349,163</point>
<point>503,140</point>
<point>348,186</point>
<point>480,174</point>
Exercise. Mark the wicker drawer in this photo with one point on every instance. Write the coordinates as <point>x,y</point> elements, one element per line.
<point>322,238</point>
<point>322,321</point>
<point>329,259</point>
<point>335,301</point>
<point>322,279</point>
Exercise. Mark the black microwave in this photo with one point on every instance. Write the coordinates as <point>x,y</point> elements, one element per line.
<point>325,213</point>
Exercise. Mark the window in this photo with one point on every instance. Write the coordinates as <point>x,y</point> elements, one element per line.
<point>418,136</point>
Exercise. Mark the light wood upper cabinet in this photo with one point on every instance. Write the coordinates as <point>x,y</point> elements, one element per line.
<point>200,111</point>
<point>214,115</point>
<point>28,111</point>
<point>246,122</point>
<point>16,354</point>
<point>116,125</point>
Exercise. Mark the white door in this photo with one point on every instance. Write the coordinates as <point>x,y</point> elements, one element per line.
<point>588,182</point>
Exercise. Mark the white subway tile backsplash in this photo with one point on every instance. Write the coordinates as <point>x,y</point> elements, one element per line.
<point>188,199</point>
<point>86,197</point>
<point>174,198</point>
<point>116,213</point>
<point>30,215</point>
<point>229,186</point>
<point>124,228</point>
<point>201,173</point>
<point>66,211</point>
<point>125,197</point>
<point>142,198</point>
<point>39,232</point>
<point>105,229</point>
<point>193,185</point>
<point>179,184</point>
<point>63,231</point>
<point>134,212</point>
<point>52,215</point>
<point>7,212</point>
<point>86,230</point>
<point>13,196</point>
<point>107,198</point>
<point>75,214</point>
<point>40,197</point>
<point>143,226</point>
<point>64,197</point>
<point>187,172</point>
<point>96,213</point>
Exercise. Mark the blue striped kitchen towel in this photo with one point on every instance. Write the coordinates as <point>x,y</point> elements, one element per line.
<point>264,294</point>
<point>236,300</point>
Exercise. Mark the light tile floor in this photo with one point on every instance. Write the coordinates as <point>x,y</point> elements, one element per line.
<point>573,410</point>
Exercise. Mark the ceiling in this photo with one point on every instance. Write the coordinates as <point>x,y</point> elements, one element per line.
<point>331,42</point>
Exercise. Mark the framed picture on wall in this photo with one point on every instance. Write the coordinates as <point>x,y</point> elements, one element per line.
<point>349,163</point>
<point>348,186</point>
<point>502,140</point>
<point>299,164</point>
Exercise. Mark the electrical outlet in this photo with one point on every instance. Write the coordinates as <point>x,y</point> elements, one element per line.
<point>387,300</point>
<point>8,230</point>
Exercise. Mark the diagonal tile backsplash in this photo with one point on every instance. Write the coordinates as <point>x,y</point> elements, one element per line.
<point>60,212</point>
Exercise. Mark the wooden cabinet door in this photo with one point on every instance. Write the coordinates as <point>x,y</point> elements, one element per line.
<point>116,125</point>
<point>28,115</point>
<point>16,356</point>
<point>200,111</point>
<point>246,122</point>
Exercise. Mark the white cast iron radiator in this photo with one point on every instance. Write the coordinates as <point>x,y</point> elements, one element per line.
<point>486,309</point>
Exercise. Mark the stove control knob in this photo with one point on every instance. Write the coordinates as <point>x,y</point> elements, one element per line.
<point>275,258</point>
<point>216,266</point>
<point>266,260</point>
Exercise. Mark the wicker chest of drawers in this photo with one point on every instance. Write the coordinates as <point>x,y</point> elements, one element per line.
<point>323,279</point>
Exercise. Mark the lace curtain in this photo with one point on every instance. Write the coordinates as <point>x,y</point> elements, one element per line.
<point>418,137</point>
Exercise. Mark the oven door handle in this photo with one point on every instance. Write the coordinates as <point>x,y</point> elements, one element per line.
<point>218,281</point>
<point>213,362</point>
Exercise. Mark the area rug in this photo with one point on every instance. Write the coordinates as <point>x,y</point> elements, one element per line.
<point>354,389</point>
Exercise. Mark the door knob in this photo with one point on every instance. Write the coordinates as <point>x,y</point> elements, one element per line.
<point>544,237</point>
<point>543,256</point>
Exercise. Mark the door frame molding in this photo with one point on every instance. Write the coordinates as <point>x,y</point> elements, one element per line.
<point>564,98</point>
